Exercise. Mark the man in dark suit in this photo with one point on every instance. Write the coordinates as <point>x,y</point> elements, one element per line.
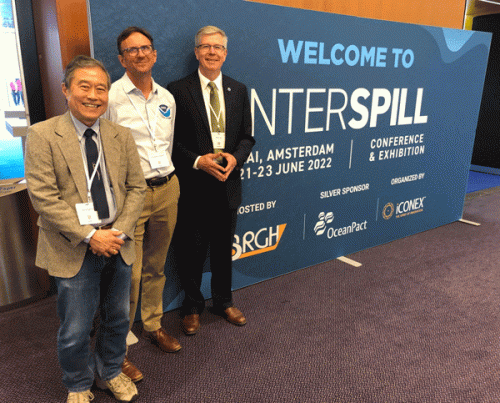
<point>85,181</point>
<point>212,141</point>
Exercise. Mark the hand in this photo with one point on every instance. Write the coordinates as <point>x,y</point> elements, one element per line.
<point>207,163</point>
<point>231,164</point>
<point>106,242</point>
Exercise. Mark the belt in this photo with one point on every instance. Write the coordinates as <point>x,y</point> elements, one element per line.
<point>107,226</point>
<point>153,182</point>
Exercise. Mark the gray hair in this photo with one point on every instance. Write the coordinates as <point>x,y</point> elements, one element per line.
<point>209,30</point>
<point>82,62</point>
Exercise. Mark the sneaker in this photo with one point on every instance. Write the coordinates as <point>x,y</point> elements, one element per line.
<point>121,386</point>
<point>80,397</point>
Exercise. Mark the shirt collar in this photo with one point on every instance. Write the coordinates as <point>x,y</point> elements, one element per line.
<point>204,81</point>
<point>128,85</point>
<point>80,127</point>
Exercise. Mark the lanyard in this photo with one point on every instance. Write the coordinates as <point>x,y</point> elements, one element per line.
<point>153,130</point>
<point>91,179</point>
<point>217,117</point>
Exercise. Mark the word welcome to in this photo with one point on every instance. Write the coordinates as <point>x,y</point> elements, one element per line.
<point>309,52</point>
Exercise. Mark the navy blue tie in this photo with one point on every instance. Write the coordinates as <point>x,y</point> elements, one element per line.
<point>97,189</point>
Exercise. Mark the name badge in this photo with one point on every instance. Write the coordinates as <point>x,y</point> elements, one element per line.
<point>86,214</point>
<point>158,159</point>
<point>219,140</point>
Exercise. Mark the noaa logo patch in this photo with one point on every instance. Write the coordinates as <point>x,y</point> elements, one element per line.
<point>164,110</point>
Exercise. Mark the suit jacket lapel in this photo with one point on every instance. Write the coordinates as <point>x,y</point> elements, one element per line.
<point>196,93</point>
<point>70,148</point>
<point>228,101</point>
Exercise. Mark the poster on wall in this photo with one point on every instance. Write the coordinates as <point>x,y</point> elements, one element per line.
<point>364,128</point>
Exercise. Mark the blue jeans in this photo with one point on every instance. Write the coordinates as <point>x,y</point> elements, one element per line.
<point>102,283</point>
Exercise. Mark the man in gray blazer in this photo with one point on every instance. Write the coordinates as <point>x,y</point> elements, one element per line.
<point>85,181</point>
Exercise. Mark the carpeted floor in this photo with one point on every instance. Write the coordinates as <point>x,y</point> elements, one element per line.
<point>419,321</point>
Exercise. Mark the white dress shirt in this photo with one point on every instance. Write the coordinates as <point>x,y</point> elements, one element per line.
<point>150,120</point>
<point>205,90</point>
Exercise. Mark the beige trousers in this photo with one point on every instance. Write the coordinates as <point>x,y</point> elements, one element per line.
<point>153,235</point>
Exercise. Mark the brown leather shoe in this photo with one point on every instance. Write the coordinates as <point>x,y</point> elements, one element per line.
<point>131,371</point>
<point>166,343</point>
<point>233,315</point>
<point>190,324</point>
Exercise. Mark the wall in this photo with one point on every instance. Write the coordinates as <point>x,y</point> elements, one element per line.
<point>442,13</point>
<point>61,33</point>
<point>47,38</point>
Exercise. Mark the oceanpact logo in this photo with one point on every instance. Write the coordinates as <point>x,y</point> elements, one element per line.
<point>404,208</point>
<point>321,226</point>
<point>165,111</point>
<point>324,218</point>
<point>254,243</point>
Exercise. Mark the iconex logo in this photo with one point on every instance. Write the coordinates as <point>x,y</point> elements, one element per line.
<point>410,205</point>
<point>388,211</point>
<point>255,243</point>
<point>324,218</point>
<point>404,208</point>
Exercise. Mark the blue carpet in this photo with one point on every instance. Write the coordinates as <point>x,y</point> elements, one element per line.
<point>480,181</point>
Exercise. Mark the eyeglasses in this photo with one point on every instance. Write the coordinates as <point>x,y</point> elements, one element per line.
<point>146,50</point>
<point>206,47</point>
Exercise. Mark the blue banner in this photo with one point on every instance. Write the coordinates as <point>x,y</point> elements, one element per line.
<point>364,128</point>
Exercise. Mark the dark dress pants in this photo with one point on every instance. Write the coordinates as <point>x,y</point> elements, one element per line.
<point>209,227</point>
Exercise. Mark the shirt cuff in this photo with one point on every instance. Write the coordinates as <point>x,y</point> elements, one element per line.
<point>195,165</point>
<point>90,235</point>
<point>122,236</point>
